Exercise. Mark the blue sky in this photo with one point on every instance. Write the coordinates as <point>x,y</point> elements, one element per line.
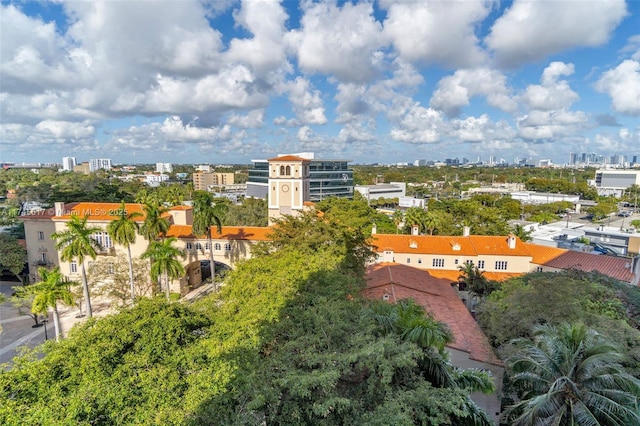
<point>386,81</point>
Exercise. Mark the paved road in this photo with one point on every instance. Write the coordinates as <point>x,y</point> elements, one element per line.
<point>17,329</point>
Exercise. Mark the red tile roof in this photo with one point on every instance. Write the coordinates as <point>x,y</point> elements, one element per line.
<point>252,233</point>
<point>423,244</point>
<point>438,298</point>
<point>288,158</point>
<point>498,245</point>
<point>543,254</point>
<point>452,276</point>
<point>100,211</point>
<point>615,267</point>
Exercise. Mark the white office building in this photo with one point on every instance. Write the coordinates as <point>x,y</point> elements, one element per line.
<point>164,167</point>
<point>68,163</point>
<point>99,163</point>
<point>615,182</point>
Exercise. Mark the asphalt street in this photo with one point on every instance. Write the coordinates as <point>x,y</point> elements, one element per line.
<point>17,330</point>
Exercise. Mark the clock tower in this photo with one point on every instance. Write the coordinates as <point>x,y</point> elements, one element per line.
<point>288,185</point>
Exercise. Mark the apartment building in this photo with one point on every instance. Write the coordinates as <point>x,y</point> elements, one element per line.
<point>202,181</point>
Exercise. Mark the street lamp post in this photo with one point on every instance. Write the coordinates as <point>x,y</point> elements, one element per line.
<point>44,321</point>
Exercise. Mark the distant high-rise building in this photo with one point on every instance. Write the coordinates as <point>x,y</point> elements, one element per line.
<point>572,158</point>
<point>418,163</point>
<point>164,167</point>
<point>68,163</point>
<point>99,163</point>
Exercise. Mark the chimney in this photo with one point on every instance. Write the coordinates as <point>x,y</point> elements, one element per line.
<point>511,240</point>
<point>466,231</point>
<point>58,207</point>
<point>415,230</point>
<point>374,229</point>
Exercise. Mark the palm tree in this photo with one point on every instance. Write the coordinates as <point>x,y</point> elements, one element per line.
<point>76,243</point>
<point>475,280</point>
<point>408,320</point>
<point>165,263</point>
<point>431,221</point>
<point>123,231</point>
<point>206,215</point>
<point>571,375</point>
<point>154,226</point>
<point>415,216</point>
<point>398,217</point>
<point>521,232</point>
<point>48,292</point>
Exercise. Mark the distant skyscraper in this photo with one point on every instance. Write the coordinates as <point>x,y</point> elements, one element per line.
<point>99,163</point>
<point>68,163</point>
<point>572,158</point>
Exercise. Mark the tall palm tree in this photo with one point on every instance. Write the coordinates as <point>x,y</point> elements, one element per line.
<point>154,226</point>
<point>165,261</point>
<point>431,221</point>
<point>48,292</point>
<point>123,231</point>
<point>206,215</point>
<point>398,217</point>
<point>76,243</point>
<point>571,375</point>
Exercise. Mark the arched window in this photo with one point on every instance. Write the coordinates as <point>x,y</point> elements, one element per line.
<point>281,170</point>
<point>216,246</point>
<point>288,171</point>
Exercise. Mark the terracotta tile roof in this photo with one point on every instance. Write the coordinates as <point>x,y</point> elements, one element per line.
<point>543,254</point>
<point>180,231</point>
<point>498,245</point>
<point>99,211</point>
<point>424,244</point>
<point>290,158</point>
<point>180,207</point>
<point>452,276</point>
<point>615,267</point>
<point>253,233</point>
<point>438,298</point>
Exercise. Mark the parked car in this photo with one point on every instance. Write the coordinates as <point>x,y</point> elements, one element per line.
<point>624,213</point>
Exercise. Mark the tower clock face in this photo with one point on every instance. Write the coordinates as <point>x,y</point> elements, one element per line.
<point>285,188</point>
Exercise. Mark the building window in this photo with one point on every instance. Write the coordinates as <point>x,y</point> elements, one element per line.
<point>198,246</point>
<point>468,262</point>
<point>207,246</point>
<point>539,269</point>
<point>480,264</point>
<point>43,257</point>
<point>73,267</point>
<point>227,247</point>
<point>103,238</point>
<point>501,265</point>
<point>188,246</point>
<point>40,235</point>
<point>419,260</point>
<point>455,261</point>
<point>216,246</point>
<point>438,263</point>
<point>408,260</point>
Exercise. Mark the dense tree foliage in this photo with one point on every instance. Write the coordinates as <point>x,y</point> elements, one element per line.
<point>287,340</point>
<point>601,303</point>
<point>251,212</point>
<point>12,255</point>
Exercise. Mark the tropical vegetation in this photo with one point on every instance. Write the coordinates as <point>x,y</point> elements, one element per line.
<point>76,243</point>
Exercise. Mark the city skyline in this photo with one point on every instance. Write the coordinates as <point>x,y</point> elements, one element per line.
<point>225,82</point>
